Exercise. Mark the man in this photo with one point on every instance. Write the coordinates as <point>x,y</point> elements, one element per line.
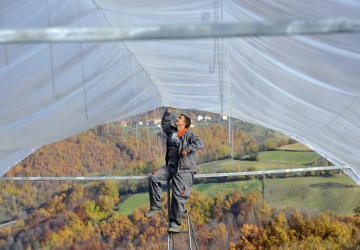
<point>181,146</point>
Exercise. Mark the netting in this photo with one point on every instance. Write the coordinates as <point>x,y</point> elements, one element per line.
<point>306,87</point>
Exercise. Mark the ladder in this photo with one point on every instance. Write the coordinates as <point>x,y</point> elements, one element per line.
<point>190,231</point>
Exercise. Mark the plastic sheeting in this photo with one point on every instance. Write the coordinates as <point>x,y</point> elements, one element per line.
<point>304,86</point>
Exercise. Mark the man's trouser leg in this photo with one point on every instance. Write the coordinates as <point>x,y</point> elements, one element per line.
<point>181,189</point>
<point>155,181</point>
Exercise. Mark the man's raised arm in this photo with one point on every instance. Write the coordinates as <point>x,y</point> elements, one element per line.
<point>165,122</point>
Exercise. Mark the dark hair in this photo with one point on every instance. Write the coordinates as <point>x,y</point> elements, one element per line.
<point>187,121</point>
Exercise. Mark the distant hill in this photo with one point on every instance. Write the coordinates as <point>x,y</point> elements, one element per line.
<point>117,149</point>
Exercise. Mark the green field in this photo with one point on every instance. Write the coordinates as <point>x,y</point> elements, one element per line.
<point>267,160</point>
<point>237,165</point>
<point>132,202</point>
<point>338,194</point>
<point>286,157</point>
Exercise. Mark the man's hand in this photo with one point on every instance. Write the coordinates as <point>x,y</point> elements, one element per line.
<point>183,153</point>
<point>153,171</point>
<point>169,109</point>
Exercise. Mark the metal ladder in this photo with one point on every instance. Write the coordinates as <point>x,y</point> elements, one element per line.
<point>190,231</point>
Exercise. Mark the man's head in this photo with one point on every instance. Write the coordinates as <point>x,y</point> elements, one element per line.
<point>183,120</point>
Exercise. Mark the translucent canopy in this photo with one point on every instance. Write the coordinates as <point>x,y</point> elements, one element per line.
<point>306,87</point>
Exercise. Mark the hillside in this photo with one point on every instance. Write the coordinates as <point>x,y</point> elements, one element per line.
<point>117,149</point>
<point>83,218</point>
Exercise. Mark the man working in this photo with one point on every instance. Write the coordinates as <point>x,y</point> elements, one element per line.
<point>181,146</point>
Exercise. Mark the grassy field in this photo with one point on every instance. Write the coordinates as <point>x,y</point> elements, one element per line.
<point>211,189</point>
<point>132,202</point>
<point>337,194</point>
<point>286,157</point>
<point>267,160</point>
<point>237,165</point>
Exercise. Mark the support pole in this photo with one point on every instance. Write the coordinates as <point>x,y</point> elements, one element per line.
<point>197,176</point>
<point>189,230</point>
<point>263,187</point>
<point>180,31</point>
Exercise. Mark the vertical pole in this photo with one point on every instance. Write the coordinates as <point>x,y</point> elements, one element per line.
<point>221,60</point>
<point>215,46</point>
<point>123,126</point>
<point>168,199</point>
<point>221,76</point>
<point>168,241</point>
<point>147,131</point>
<point>3,26</point>
<point>157,140</point>
<point>161,149</point>
<point>263,188</point>
<point>135,106</point>
<point>193,233</point>
<point>103,81</point>
<point>51,54</point>
<point>231,126</point>
<point>189,230</point>
<point>171,244</point>
<point>82,67</point>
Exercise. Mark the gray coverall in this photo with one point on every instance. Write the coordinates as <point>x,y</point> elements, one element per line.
<point>180,170</point>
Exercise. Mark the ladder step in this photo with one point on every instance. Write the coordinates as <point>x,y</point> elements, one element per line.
<point>182,231</point>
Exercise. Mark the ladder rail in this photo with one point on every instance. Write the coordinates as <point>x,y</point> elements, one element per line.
<point>190,232</point>
<point>193,233</point>
<point>171,243</point>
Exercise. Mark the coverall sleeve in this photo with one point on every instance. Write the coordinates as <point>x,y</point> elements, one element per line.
<point>166,124</point>
<point>194,144</point>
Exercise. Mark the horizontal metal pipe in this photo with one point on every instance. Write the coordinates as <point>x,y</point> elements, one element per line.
<point>142,177</point>
<point>179,31</point>
<point>10,223</point>
<point>272,171</point>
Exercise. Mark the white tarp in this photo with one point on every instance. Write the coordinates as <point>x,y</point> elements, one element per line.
<point>307,87</point>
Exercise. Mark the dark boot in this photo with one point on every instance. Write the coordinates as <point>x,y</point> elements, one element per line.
<point>152,212</point>
<point>174,227</point>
